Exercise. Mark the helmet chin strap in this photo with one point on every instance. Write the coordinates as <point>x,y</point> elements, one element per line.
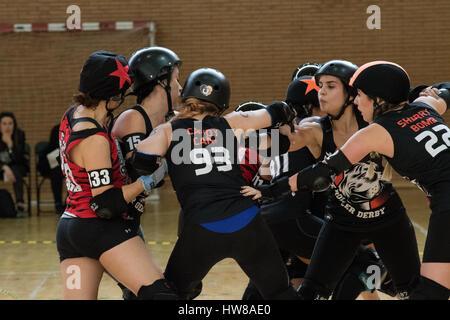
<point>110,115</point>
<point>167,88</point>
<point>341,112</point>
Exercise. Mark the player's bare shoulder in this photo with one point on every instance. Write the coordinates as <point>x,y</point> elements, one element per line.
<point>129,121</point>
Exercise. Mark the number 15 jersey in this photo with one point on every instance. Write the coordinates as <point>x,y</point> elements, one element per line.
<point>204,168</point>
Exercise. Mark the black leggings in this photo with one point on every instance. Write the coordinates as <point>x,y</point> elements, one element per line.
<point>437,244</point>
<point>253,247</point>
<point>297,236</point>
<point>395,242</point>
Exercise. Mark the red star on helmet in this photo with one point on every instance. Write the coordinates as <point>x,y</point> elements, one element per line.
<point>122,73</point>
<point>311,85</point>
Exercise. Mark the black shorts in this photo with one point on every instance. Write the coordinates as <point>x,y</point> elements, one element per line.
<point>91,237</point>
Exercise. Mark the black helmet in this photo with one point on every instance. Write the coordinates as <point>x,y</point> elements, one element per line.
<point>104,75</point>
<point>343,70</point>
<point>306,69</point>
<point>151,64</point>
<point>339,68</point>
<point>383,79</point>
<point>208,85</point>
<point>302,92</point>
<point>250,106</point>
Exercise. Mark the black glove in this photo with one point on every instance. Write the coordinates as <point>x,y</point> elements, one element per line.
<point>277,189</point>
<point>316,177</point>
<point>281,113</point>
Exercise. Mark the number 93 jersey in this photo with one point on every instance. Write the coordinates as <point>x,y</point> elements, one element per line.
<point>421,145</point>
<point>204,167</point>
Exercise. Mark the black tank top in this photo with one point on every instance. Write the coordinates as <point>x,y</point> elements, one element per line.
<point>421,149</point>
<point>137,206</point>
<point>354,198</point>
<point>205,171</point>
<point>131,145</point>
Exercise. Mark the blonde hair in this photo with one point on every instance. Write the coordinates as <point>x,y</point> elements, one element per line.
<point>194,106</point>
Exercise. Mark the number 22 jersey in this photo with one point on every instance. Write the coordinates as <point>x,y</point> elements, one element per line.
<point>421,148</point>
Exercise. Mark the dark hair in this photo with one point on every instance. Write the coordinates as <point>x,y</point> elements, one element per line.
<point>144,91</point>
<point>382,107</point>
<point>14,134</point>
<point>85,100</point>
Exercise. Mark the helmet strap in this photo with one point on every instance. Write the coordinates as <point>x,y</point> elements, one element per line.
<point>341,112</point>
<point>110,117</point>
<point>167,88</point>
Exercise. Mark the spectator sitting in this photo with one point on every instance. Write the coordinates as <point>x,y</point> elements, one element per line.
<point>49,166</point>
<point>14,164</point>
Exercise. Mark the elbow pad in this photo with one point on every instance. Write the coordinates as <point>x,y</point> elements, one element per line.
<point>281,113</point>
<point>318,177</point>
<point>109,204</point>
<point>338,162</point>
<point>142,164</point>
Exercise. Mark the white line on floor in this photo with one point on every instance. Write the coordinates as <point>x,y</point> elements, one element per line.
<point>420,228</point>
<point>33,295</point>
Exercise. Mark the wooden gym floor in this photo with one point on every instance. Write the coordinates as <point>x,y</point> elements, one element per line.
<point>29,264</point>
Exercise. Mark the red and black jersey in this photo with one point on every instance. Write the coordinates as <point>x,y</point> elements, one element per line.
<point>249,160</point>
<point>77,180</point>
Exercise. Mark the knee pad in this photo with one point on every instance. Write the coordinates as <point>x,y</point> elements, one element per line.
<point>365,258</point>
<point>310,290</point>
<point>127,294</point>
<point>348,288</point>
<point>158,290</point>
<point>252,293</point>
<point>194,293</point>
<point>387,287</point>
<point>403,292</point>
<point>428,289</point>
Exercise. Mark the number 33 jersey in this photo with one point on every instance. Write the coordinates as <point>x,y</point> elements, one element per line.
<point>79,182</point>
<point>203,160</point>
<point>421,145</point>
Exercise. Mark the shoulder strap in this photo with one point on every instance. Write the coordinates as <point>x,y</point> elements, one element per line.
<point>73,121</point>
<point>325,123</point>
<point>148,123</point>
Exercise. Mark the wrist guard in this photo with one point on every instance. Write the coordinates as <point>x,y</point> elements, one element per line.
<point>281,113</point>
<point>276,189</point>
